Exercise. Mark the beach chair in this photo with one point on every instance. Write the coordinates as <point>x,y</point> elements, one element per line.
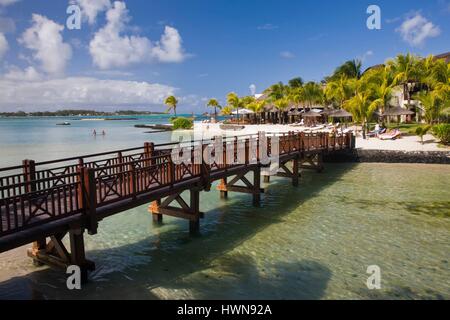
<point>390,136</point>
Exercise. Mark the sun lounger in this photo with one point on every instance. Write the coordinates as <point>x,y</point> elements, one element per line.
<point>390,136</point>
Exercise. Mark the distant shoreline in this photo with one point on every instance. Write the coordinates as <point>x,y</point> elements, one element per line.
<point>78,113</point>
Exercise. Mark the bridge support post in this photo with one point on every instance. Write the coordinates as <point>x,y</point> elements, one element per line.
<point>194,224</point>
<point>55,254</point>
<point>313,162</point>
<point>190,212</point>
<point>154,210</point>
<point>266,179</point>
<point>78,255</point>
<point>257,187</point>
<point>295,172</point>
<point>251,188</point>
<point>222,187</point>
<point>29,172</point>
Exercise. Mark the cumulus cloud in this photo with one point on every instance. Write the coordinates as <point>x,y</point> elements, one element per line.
<point>28,74</point>
<point>416,30</point>
<point>91,8</point>
<point>3,45</point>
<point>252,88</point>
<point>53,94</point>
<point>5,3</point>
<point>45,40</point>
<point>109,48</point>
<point>287,55</point>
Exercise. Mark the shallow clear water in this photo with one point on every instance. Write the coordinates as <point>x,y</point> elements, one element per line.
<point>311,242</point>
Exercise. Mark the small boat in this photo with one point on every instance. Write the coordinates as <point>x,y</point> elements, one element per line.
<point>65,123</point>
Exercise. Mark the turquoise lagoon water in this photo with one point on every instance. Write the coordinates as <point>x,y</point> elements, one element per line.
<point>311,242</point>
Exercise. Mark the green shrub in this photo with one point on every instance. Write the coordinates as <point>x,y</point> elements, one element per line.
<point>182,123</point>
<point>442,131</point>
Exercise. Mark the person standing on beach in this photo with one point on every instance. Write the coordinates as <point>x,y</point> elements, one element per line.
<point>94,133</point>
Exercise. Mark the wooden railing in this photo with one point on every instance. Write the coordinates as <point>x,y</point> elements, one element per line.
<point>36,193</point>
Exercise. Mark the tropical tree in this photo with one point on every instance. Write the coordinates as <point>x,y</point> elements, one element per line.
<point>340,89</point>
<point>276,91</point>
<point>296,83</point>
<point>257,107</point>
<point>361,105</point>
<point>381,82</point>
<point>281,105</point>
<point>312,93</point>
<point>171,103</point>
<point>226,111</point>
<point>406,72</point>
<point>351,69</point>
<point>214,104</point>
<point>296,96</point>
<point>421,131</point>
<point>432,104</point>
<point>233,102</point>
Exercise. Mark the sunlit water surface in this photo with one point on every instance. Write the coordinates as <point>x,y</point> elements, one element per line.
<point>311,242</point>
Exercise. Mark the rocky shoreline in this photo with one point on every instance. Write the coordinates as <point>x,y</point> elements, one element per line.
<point>390,156</point>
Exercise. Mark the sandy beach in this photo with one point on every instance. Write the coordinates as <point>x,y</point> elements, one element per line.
<point>405,143</point>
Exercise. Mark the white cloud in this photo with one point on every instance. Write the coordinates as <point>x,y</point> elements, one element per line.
<point>417,29</point>
<point>110,49</point>
<point>3,45</point>
<point>91,8</point>
<point>45,40</point>
<point>252,88</point>
<point>17,74</point>
<point>5,3</point>
<point>79,92</point>
<point>169,49</point>
<point>267,26</point>
<point>287,55</point>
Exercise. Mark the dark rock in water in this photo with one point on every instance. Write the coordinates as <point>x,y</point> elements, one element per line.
<point>163,127</point>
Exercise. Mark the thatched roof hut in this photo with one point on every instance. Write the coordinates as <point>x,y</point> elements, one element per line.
<point>397,111</point>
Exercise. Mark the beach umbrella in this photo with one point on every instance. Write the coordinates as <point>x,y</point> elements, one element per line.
<point>341,113</point>
<point>312,114</point>
<point>294,112</point>
<point>397,111</point>
<point>242,111</point>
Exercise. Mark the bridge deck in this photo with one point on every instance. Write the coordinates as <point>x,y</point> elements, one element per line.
<point>36,194</point>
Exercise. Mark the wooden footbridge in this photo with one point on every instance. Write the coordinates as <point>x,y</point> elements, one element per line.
<point>41,203</point>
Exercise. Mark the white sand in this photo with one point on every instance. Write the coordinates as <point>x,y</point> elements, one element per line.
<point>406,143</point>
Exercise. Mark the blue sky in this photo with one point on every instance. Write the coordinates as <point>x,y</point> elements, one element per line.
<point>213,47</point>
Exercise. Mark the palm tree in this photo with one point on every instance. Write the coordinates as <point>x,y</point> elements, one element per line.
<point>257,107</point>
<point>171,103</point>
<point>421,131</point>
<point>296,83</point>
<point>351,69</point>
<point>281,105</point>
<point>226,111</point>
<point>432,105</point>
<point>296,96</point>
<point>340,89</point>
<point>312,93</point>
<point>405,69</point>
<point>361,105</point>
<point>234,102</point>
<point>381,82</point>
<point>215,104</point>
<point>276,91</point>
